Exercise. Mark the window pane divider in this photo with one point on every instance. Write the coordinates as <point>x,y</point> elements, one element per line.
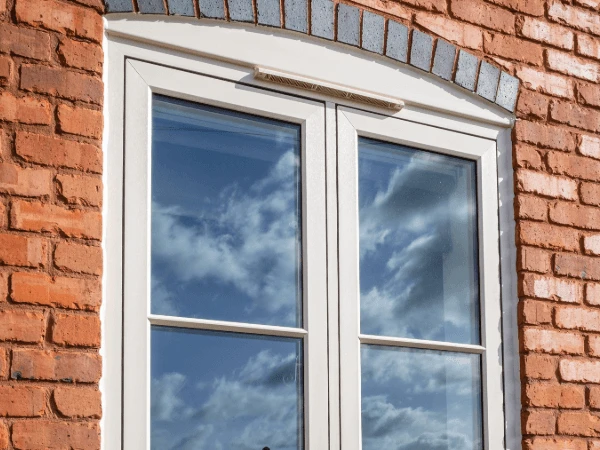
<point>418,343</point>
<point>219,325</point>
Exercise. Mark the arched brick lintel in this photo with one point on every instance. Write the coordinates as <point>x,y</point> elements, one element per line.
<point>354,26</point>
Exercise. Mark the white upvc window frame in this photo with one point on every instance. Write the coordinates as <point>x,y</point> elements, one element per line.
<point>443,112</point>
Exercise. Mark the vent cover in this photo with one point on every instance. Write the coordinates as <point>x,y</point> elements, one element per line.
<point>331,89</point>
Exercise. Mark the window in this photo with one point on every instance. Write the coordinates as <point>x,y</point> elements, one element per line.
<point>302,273</point>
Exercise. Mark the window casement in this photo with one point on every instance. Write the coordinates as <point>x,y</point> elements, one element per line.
<point>300,272</point>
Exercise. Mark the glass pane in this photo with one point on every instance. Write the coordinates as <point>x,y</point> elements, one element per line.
<point>420,399</point>
<point>418,244</point>
<point>225,391</point>
<point>226,223</point>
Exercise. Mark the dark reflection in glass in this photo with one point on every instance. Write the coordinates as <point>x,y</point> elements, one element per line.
<point>420,399</point>
<point>418,244</point>
<point>226,222</point>
<point>225,391</point>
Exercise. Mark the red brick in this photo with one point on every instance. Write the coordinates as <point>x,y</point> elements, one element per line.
<point>74,257</point>
<point>594,445</point>
<point>76,330</point>
<point>572,397</point>
<point>23,251</point>
<point>552,395</point>
<point>532,208</point>
<point>580,370</point>
<point>5,69</point>
<point>545,136</point>
<point>592,294</point>
<point>574,166</point>
<point>539,422</point>
<point>21,326</point>
<point>588,46</point>
<point>483,14</point>
<point>594,397</point>
<point>550,288</point>
<point>27,110</point>
<point>464,35</point>
<point>540,367</point>
<point>578,423</point>
<point>533,259</point>
<point>594,4</point>
<point>395,9</point>
<point>571,65</point>
<point>513,48</point>
<point>4,364</point>
<point>575,116</point>
<point>532,7</point>
<point>62,292</point>
<point>62,17</point>
<point>39,435</point>
<point>558,443</point>
<point>546,83</point>
<point>589,146</point>
<point>4,434</point>
<point>58,152</point>
<point>81,55</point>
<point>33,216</point>
<point>82,121</point>
<point>78,402</point>
<point>25,42</point>
<point>17,180</point>
<point>32,364</point>
<point>554,342</point>
<point>532,105</point>
<point>542,31</point>
<point>63,83</point>
<point>22,401</point>
<point>80,189</point>
<point>574,17</point>
<point>564,213</point>
<point>594,346</point>
<point>548,236</point>
<point>546,185</point>
<point>3,215</point>
<point>3,287</point>
<point>585,267</point>
<point>576,318</point>
<point>588,94</point>
<point>536,313</point>
<point>528,157</point>
<point>432,5</point>
<point>591,244</point>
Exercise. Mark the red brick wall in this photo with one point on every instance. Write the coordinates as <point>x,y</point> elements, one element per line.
<point>50,200</point>
<point>51,97</point>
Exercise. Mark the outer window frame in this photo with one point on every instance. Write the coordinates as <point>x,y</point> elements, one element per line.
<point>190,48</point>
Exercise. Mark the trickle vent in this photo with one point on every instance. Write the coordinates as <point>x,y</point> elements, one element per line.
<point>324,87</point>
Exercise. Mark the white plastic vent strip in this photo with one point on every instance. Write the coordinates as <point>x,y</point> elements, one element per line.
<point>324,87</point>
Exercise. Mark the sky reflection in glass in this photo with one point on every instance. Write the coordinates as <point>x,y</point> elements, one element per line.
<point>225,391</point>
<point>418,244</point>
<point>420,399</point>
<point>226,222</point>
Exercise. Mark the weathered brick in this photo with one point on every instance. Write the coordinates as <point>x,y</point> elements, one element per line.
<point>432,5</point>
<point>58,152</point>
<point>532,208</point>
<point>576,318</point>
<point>546,83</point>
<point>17,180</point>
<point>591,244</point>
<point>462,34</point>
<point>80,189</point>
<point>81,121</point>
<point>533,259</point>
<point>81,55</point>
<point>483,14</point>
<point>574,17</point>
<point>589,146</point>
<point>61,83</point>
<point>542,31</point>
<point>590,193</point>
<point>594,4</point>
<point>33,216</point>
<point>547,185</point>
<point>580,370</point>
<point>62,292</point>
<point>513,48</point>
<point>21,326</point>
<point>26,251</point>
<point>592,294</point>
<point>6,69</point>
<point>3,287</point>
<point>545,136</point>
<point>37,435</point>
<point>594,346</point>
<point>575,116</point>
<point>33,364</point>
<point>4,364</point>
<point>548,236</point>
<point>65,18</point>
<point>539,422</point>
<point>554,342</point>
<point>29,110</point>
<point>571,65</point>
<point>532,7</point>
<point>588,94</point>
<point>551,288</point>
<point>535,312</point>
<point>532,105</point>
<point>78,402</point>
<point>594,397</point>
<point>585,267</point>
<point>557,443</point>
<point>528,157</point>
<point>80,258</point>
<point>4,434</point>
<point>588,46</point>
<point>578,423</point>
<point>574,166</point>
<point>25,42</point>
<point>553,395</point>
<point>564,213</point>
<point>22,401</point>
<point>540,366</point>
<point>76,330</point>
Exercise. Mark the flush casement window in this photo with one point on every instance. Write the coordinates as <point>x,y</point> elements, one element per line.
<point>303,274</point>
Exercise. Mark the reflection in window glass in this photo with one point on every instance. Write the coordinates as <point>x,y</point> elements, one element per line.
<point>420,399</point>
<point>225,391</point>
<point>418,244</point>
<point>226,222</point>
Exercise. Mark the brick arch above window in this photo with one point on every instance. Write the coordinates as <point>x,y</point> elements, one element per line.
<point>349,25</point>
